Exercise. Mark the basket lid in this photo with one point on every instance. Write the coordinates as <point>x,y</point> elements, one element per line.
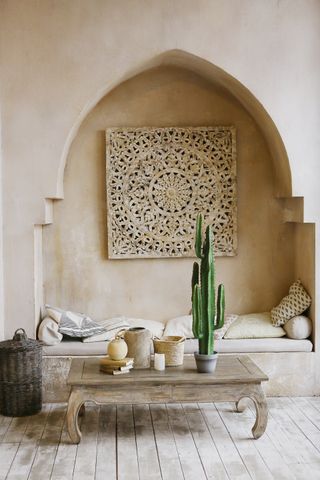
<point>20,342</point>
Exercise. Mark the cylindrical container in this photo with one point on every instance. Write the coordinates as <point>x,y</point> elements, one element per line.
<point>138,340</point>
<point>20,376</point>
<point>159,361</point>
<point>172,347</point>
<point>117,349</point>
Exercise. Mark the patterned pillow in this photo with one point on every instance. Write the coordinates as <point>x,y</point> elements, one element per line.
<point>229,319</point>
<point>293,304</point>
<point>74,324</point>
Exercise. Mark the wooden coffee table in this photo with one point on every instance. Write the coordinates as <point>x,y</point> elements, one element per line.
<point>235,377</point>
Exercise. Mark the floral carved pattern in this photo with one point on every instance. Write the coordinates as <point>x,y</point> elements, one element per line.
<point>159,179</point>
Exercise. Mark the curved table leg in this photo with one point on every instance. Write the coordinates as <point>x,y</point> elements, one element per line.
<point>75,402</point>
<point>82,410</point>
<point>260,402</point>
<point>241,404</point>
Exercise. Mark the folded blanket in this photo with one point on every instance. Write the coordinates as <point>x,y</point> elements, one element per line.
<point>74,324</point>
<point>112,326</point>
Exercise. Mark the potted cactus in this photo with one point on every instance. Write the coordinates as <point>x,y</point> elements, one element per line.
<point>206,315</point>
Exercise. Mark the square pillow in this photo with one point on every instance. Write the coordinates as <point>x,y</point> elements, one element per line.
<point>48,332</point>
<point>74,324</point>
<point>182,326</point>
<point>54,313</point>
<point>292,305</point>
<point>229,319</point>
<point>155,327</point>
<point>254,325</point>
<point>179,326</point>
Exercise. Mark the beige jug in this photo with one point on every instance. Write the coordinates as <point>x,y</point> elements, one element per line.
<point>138,340</point>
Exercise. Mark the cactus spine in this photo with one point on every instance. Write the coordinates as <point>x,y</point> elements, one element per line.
<point>206,315</point>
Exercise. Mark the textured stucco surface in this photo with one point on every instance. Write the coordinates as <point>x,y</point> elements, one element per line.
<point>57,57</point>
<point>78,274</point>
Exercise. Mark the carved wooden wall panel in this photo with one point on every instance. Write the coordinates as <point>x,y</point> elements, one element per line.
<point>158,179</point>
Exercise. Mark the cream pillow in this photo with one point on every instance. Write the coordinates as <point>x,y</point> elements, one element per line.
<point>179,326</point>
<point>254,325</point>
<point>299,327</point>
<point>182,326</point>
<point>155,327</point>
<point>48,332</point>
<point>293,304</point>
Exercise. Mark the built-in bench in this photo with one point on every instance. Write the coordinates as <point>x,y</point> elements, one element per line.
<point>75,348</point>
<point>287,362</point>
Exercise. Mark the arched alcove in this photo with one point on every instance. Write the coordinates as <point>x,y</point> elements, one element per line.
<point>211,72</point>
<point>176,89</point>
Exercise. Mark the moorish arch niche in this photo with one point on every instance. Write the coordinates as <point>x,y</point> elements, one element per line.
<point>160,179</point>
<point>176,89</point>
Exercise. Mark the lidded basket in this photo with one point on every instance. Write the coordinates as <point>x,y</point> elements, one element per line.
<point>20,376</point>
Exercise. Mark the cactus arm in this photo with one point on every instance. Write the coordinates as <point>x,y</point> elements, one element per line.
<point>198,243</point>
<point>197,312</point>
<point>220,307</point>
<point>195,277</point>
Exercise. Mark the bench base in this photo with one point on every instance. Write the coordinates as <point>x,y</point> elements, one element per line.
<point>290,374</point>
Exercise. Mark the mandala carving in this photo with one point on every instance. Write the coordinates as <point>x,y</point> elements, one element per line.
<point>159,179</point>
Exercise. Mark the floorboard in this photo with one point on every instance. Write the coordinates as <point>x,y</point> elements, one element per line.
<point>170,465</point>
<point>165,442</point>
<point>207,450</point>
<point>235,467</point>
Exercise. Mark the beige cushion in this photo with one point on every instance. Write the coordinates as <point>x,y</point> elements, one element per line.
<point>48,332</point>
<point>299,327</point>
<point>182,326</point>
<point>284,344</point>
<point>179,326</point>
<point>254,325</point>
<point>54,313</point>
<point>155,327</point>
<point>293,304</point>
<point>252,345</point>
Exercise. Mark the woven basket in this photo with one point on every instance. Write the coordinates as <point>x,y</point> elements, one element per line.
<point>172,347</point>
<point>20,376</point>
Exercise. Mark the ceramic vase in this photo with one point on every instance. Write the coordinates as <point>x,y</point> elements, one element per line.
<point>117,349</point>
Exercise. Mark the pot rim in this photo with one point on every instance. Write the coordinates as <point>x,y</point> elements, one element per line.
<point>205,356</point>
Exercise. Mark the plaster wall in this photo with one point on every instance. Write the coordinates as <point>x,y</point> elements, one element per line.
<point>1,244</point>
<point>78,274</point>
<point>58,58</point>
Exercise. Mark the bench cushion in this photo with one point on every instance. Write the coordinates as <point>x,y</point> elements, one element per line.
<point>66,348</point>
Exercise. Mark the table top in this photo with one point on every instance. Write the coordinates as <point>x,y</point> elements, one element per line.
<point>231,369</point>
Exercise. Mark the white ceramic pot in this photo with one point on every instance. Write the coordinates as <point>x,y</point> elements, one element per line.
<point>117,349</point>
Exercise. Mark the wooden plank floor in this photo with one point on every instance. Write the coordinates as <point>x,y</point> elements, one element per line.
<point>165,442</point>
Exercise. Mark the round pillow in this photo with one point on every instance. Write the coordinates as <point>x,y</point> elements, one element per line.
<point>298,328</point>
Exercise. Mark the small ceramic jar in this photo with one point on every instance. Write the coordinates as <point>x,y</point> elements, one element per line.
<point>117,349</point>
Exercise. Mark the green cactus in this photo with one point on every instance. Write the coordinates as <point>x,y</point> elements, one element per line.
<point>206,316</point>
